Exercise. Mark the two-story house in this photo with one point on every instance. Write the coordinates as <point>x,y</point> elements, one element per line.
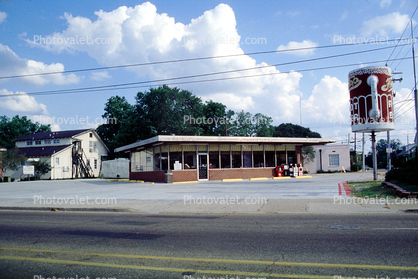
<point>71,154</point>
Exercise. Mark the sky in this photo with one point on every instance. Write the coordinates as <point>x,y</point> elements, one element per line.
<point>250,50</point>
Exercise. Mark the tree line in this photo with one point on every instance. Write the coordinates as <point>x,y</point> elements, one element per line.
<point>173,111</point>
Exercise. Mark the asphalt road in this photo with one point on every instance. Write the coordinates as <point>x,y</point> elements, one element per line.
<point>35,244</point>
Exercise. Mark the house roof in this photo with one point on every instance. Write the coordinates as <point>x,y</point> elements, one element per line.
<point>223,140</point>
<point>52,135</point>
<point>42,151</point>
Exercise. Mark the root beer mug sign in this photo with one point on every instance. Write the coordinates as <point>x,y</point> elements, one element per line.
<point>371,99</point>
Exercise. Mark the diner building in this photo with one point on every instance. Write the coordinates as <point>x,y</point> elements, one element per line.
<point>172,159</point>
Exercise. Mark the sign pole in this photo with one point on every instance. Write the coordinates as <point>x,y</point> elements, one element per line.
<point>374,155</point>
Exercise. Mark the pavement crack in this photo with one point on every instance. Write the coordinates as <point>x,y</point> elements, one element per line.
<point>258,210</point>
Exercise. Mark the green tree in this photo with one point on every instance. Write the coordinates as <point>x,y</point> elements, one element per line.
<point>17,127</point>
<point>293,130</point>
<point>41,168</point>
<point>11,159</point>
<point>381,152</point>
<point>247,125</point>
<point>215,115</point>
<point>308,154</point>
<point>166,111</point>
<point>121,128</point>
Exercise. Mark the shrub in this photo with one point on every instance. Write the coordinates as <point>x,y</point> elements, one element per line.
<point>356,167</point>
<point>407,173</point>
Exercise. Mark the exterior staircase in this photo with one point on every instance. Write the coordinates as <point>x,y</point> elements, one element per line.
<point>81,167</point>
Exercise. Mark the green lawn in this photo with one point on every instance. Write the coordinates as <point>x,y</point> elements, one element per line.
<point>370,189</point>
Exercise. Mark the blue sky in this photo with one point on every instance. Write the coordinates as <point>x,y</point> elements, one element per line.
<point>33,34</point>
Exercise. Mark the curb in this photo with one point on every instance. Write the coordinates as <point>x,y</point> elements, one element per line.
<point>65,209</point>
<point>400,191</point>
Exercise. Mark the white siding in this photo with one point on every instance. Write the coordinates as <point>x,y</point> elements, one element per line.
<point>343,152</point>
<point>92,153</point>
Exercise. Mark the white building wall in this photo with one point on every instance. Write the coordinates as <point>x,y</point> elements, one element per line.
<point>61,164</point>
<point>118,168</point>
<point>94,150</point>
<point>343,152</point>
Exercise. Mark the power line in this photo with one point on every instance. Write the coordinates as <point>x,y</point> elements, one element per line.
<point>406,27</point>
<point>148,83</point>
<point>196,59</point>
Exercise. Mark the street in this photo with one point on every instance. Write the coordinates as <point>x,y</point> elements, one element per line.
<point>42,244</point>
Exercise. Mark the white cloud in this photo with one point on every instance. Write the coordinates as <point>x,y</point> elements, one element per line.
<point>3,17</point>
<point>298,45</point>
<point>139,34</point>
<point>21,102</point>
<point>46,120</point>
<point>344,16</point>
<point>329,102</point>
<point>393,23</point>
<point>99,76</point>
<point>11,64</point>
<point>404,107</point>
<point>385,3</point>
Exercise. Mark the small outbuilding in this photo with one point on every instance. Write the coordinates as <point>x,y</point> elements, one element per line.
<point>165,158</point>
<point>332,157</point>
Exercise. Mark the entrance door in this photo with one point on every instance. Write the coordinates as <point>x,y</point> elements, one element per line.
<point>203,166</point>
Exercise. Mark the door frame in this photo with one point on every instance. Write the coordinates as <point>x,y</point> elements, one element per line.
<point>207,166</point>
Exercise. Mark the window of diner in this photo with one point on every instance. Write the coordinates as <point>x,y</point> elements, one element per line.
<point>225,156</point>
<point>164,157</point>
<point>247,156</point>
<point>189,153</point>
<point>135,162</point>
<point>281,154</point>
<point>258,153</point>
<point>148,159</point>
<point>156,156</point>
<point>236,156</point>
<point>269,153</point>
<point>214,156</point>
<point>175,155</point>
<point>291,154</point>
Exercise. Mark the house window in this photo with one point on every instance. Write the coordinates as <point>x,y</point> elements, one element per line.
<point>38,142</point>
<point>29,142</point>
<point>334,159</point>
<point>57,141</point>
<point>95,164</point>
<point>47,141</point>
<point>91,135</point>
<point>57,161</point>
<point>92,146</point>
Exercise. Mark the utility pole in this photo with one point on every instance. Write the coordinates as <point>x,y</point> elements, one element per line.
<point>389,151</point>
<point>355,148</point>
<point>374,156</point>
<point>363,156</point>
<point>415,92</point>
<point>300,110</point>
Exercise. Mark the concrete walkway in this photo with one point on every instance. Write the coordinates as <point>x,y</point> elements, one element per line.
<point>321,193</point>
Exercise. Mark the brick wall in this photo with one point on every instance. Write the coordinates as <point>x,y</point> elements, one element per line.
<point>184,175</point>
<point>219,174</point>
<point>149,176</point>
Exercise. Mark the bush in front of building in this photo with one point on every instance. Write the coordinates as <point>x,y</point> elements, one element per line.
<point>356,167</point>
<point>407,173</point>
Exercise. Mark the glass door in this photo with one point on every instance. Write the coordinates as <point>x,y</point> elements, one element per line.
<point>203,166</point>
